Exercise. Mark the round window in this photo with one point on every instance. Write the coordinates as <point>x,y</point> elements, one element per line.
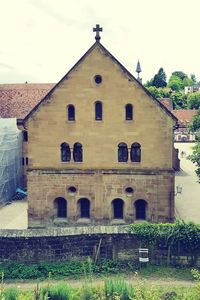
<point>72,190</point>
<point>129,191</point>
<point>98,79</point>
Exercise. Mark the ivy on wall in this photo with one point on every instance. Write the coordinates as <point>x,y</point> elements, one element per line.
<point>174,236</point>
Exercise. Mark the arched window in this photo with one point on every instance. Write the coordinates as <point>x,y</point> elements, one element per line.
<point>122,152</point>
<point>98,111</point>
<point>61,207</point>
<point>78,152</point>
<point>84,208</point>
<point>140,209</point>
<point>118,208</point>
<point>135,152</point>
<point>129,111</point>
<point>65,152</point>
<point>71,112</point>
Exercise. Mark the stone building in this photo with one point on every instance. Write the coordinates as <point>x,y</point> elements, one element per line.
<point>96,154</point>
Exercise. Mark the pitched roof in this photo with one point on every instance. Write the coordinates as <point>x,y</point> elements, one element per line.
<point>17,100</point>
<point>184,116</point>
<point>167,102</point>
<point>131,77</point>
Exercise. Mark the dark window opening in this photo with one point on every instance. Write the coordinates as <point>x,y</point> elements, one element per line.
<point>22,161</point>
<point>72,189</point>
<point>71,113</point>
<point>84,205</point>
<point>118,209</point>
<point>65,152</point>
<point>98,79</point>
<point>140,209</point>
<point>78,152</point>
<point>26,161</point>
<point>98,111</point>
<point>136,152</point>
<point>129,111</point>
<point>25,136</point>
<point>122,152</point>
<point>61,206</point>
<point>129,190</point>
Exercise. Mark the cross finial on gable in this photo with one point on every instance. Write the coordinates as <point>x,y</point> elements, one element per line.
<point>97,29</point>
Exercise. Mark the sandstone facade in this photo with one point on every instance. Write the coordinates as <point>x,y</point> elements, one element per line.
<point>91,185</point>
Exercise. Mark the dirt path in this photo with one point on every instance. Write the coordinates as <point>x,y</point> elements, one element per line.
<point>100,281</point>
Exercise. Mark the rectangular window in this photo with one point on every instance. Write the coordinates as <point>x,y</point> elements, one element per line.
<point>25,136</point>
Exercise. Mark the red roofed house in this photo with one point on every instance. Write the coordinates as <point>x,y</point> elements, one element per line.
<point>182,133</point>
<point>16,101</point>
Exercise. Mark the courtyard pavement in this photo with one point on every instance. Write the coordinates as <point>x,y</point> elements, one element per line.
<point>187,204</point>
<point>14,215</point>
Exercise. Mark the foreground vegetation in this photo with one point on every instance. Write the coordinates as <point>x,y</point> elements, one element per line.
<point>79,270</point>
<point>111,289</point>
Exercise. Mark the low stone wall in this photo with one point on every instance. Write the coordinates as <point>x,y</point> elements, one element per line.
<point>60,244</point>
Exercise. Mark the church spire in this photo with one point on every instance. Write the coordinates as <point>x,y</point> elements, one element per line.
<point>97,29</point>
<point>138,70</point>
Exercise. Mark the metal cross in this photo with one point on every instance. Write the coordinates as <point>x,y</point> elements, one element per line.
<point>97,29</point>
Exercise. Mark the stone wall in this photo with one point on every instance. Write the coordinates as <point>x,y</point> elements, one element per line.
<point>100,187</point>
<point>56,245</point>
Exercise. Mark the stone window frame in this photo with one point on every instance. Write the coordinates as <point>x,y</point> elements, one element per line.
<point>60,205</point>
<point>129,110</point>
<point>116,213</point>
<point>122,152</point>
<point>98,110</point>
<point>141,207</point>
<point>65,152</point>
<point>71,113</point>
<point>136,152</point>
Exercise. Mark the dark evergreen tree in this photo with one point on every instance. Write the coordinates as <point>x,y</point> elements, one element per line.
<point>159,79</point>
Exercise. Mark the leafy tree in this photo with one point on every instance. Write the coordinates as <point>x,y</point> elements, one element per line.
<point>193,78</point>
<point>179,80</point>
<point>193,100</point>
<point>148,83</point>
<point>195,124</point>
<point>195,156</point>
<point>159,92</point>
<point>179,74</point>
<point>159,79</point>
<point>179,100</point>
<point>187,82</point>
<point>175,83</point>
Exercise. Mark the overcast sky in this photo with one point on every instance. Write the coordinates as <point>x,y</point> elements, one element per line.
<point>42,39</point>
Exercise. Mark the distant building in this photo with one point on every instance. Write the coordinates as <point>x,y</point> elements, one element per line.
<point>182,133</point>
<point>16,101</point>
<point>192,88</point>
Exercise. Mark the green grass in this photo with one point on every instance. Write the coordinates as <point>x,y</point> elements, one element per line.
<point>163,272</point>
<point>78,269</point>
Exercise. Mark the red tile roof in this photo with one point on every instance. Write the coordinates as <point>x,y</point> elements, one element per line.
<point>17,100</point>
<point>184,116</point>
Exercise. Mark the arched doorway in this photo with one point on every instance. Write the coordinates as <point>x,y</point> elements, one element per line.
<point>61,207</point>
<point>140,209</point>
<point>118,208</point>
<point>84,208</point>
